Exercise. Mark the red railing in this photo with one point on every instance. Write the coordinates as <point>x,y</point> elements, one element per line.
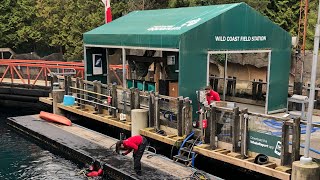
<point>32,71</point>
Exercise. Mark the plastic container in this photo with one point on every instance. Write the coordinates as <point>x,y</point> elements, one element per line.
<point>68,100</point>
<point>151,86</point>
<point>140,85</point>
<point>130,83</point>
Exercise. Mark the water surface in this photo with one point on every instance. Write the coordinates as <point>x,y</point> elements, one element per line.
<point>21,158</point>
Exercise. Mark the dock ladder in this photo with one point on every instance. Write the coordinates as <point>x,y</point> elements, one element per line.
<point>186,153</point>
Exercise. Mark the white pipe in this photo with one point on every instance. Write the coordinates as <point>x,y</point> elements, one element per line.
<point>306,159</point>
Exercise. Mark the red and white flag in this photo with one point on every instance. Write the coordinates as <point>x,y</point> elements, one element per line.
<point>107,10</point>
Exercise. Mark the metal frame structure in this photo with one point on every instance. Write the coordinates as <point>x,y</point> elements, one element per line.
<point>225,75</point>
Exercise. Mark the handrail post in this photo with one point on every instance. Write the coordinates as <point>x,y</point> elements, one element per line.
<point>179,116</point>
<point>188,117</point>
<point>296,135</point>
<point>81,93</point>
<point>207,132</point>
<point>157,112</point>
<point>213,126</point>
<point>114,101</point>
<point>284,157</point>
<point>98,100</point>
<point>132,102</point>
<point>78,91</point>
<point>136,99</point>
<point>235,130</point>
<point>151,109</point>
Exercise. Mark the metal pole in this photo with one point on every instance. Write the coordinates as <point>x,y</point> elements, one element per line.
<point>124,68</point>
<point>306,159</point>
<point>225,78</point>
<point>108,70</point>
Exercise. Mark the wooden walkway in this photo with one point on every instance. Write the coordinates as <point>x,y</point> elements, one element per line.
<point>171,138</point>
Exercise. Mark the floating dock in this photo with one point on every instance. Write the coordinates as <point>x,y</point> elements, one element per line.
<point>85,145</point>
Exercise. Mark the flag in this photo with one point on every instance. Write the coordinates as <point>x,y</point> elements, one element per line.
<point>107,10</point>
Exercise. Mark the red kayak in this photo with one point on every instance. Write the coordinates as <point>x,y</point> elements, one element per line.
<point>55,118</point>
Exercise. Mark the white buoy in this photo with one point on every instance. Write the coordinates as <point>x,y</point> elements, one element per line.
<point>139,120</point>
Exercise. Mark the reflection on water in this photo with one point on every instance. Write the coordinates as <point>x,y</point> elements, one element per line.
<point>22,159</point>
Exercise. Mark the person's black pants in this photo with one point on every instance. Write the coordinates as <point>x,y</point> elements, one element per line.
<point>138,155</point>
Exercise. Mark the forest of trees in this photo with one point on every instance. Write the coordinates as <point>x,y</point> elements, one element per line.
<point>48,26</point>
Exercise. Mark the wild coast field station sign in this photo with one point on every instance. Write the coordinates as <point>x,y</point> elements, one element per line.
<point>240,38</point>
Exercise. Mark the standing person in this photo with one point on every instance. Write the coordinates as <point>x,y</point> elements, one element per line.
<point>211,95</point>
<point>138,145</point>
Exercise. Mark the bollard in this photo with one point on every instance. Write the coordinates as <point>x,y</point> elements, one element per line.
<point>139,119</point>
<point>309,171</point>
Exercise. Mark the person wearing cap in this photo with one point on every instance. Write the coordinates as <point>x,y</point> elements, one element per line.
<point>211,95</point>
<point>138,145</point>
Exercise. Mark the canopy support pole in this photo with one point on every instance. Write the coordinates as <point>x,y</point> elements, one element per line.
<point>124,83</point>
<point>225,77</point>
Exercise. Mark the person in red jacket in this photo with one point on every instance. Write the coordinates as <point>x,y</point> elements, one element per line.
<point>211,95</point>
<point>95,169</point>
<point>138,145</point>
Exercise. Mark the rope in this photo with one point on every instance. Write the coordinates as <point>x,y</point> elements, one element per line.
<point>197,175</point>
<point>150,154</point>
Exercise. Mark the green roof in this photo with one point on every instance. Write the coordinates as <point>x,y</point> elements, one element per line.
<point>166,22</point>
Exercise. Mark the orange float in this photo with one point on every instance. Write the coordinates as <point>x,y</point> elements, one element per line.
<point>55,118</point>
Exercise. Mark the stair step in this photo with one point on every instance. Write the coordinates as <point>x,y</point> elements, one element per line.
<point>185,149</point>
<point>192,141</point>
<point>182,158</point>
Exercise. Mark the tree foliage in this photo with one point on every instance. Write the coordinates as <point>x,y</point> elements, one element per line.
<point>58,25</point>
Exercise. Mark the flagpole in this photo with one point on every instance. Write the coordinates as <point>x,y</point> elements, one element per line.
<point>306,158</point>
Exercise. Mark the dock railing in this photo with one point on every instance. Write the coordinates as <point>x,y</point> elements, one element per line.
<point>113,100</point>
<point>250,133</point>
<point>223,125</point>
<point>271,136</point>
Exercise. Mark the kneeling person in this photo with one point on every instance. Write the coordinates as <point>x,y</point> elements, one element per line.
<point>138,145</point>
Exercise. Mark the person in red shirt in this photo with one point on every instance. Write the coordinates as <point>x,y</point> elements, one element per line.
<point>138,145</point>
<point>211,95</point>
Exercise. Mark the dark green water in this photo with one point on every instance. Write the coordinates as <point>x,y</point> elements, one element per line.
<point>20,158</point>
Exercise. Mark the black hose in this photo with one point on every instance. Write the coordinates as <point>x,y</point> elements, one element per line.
<point>261,159</point>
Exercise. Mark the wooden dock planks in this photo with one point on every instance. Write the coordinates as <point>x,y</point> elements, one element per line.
<point>168,139</point>
<point>244,163</point>
<point>46,100</point>
<point>100,117</point>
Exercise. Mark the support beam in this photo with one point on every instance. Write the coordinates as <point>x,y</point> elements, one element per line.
<point>157,112</point>
<point>151,109</point>
<point>179,116</point>
<point>296,135</point>
<point>157,75</point>
<point>124,73</point>
<point>235,130</point>
<point>114,101</point>
<point>213,127</point>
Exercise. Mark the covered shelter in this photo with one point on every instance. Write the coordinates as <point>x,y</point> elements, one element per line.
<point>190,35</point>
